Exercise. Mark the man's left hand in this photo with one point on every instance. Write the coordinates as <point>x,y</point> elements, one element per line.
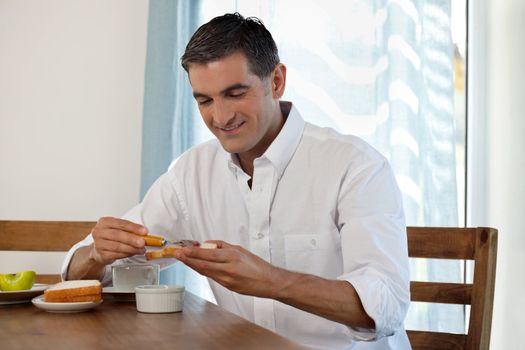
<point>233,267</point>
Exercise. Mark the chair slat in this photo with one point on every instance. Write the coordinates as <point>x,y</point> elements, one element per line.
<point>434,292</point>
<point>483,291</point>
<point>441,243</point>
<point>436,341</point>
<point>42,235</point>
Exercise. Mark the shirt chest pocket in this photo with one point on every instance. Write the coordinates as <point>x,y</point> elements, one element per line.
<point>314,254</point>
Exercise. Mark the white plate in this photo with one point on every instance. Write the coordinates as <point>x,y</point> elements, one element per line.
<point>118,295</point>
<point>64,307</point>
<point>22,296</point>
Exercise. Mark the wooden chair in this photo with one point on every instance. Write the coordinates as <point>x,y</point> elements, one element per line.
<point>46,236</point>
<point>478,244</point>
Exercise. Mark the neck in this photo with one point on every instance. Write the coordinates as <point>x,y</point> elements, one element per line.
<point>247,165</point>
<point>246,158</point>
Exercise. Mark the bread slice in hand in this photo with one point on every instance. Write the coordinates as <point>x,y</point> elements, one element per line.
<point>74,291</point>
<point>169,251</point>
<point>208,245</point>
<point>166,252</point>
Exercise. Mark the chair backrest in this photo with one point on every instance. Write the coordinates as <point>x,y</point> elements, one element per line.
<point>47,236</point>
<point>478,244</point>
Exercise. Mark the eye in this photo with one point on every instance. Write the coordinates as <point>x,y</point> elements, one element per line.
<point>237,94</point>
<point>204,102</point>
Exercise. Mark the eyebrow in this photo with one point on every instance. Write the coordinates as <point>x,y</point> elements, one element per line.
<point>223,92</point>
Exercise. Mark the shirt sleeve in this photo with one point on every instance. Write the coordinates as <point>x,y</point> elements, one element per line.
<point>374,245</point>
<point>164,211</point>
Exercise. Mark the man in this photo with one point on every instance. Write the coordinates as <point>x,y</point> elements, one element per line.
<point>309,223</point>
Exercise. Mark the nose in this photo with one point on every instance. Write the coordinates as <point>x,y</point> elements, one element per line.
<point>222,114</point>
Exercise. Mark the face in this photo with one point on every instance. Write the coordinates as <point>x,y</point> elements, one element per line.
<point>238,107</point>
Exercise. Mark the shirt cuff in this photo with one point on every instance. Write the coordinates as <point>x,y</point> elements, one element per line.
<point>379,304</point>
<point>106,279</point>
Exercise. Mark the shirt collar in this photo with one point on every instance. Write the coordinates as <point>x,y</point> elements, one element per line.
<point>283,147</point>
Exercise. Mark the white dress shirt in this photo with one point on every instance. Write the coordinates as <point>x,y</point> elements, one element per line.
<point>321,203</point>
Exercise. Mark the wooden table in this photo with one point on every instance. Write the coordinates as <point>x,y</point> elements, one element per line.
<point>118,325</point>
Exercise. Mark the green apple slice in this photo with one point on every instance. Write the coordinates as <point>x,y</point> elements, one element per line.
<point>17,281</point>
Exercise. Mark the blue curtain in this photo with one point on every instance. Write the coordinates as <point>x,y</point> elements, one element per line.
<point>168,126</point>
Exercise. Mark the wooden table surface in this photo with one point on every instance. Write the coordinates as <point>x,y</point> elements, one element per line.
<point>118,325</point>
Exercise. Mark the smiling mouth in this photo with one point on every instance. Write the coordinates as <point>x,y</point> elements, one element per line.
<point>232,128</point>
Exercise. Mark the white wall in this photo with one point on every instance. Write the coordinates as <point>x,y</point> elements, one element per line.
<point>499,176</point>
<point>71,91</point>
<point>506,165</point>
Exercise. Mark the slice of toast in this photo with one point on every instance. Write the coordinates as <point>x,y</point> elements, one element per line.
<point>169,251</point>
<point>208,245</point>
<point>74,291</point>
<point>166,252</point>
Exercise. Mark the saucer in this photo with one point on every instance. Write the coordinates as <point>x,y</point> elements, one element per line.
<point>64,307</point>
<point>22,296</point>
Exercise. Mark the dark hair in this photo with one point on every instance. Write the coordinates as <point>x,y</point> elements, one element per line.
<point>230,33</point>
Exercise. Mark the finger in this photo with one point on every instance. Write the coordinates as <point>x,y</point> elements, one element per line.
<point>104,245</point>
<point>123,225</point>
<point>108,241</point>
<point>207,268</point>
<point>212,255</point>
<point>118,236</point>
<point>219,272</point>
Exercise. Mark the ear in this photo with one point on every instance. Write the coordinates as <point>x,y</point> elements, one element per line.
<point>278,81</point>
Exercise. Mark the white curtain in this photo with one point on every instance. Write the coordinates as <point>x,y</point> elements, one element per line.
<point>382,70</point>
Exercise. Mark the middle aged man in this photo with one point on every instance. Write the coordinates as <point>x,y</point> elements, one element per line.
<point>309,222</point>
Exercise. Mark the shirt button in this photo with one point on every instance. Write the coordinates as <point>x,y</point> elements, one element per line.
<point>313,242</point>
<point>260,235</point>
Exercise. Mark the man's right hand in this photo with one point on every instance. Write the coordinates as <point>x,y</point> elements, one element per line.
<point>113,239</point>
<point>116,239</point>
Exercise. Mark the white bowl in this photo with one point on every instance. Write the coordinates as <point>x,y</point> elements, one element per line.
<point>159,298</point>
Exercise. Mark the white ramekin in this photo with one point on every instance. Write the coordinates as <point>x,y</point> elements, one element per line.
<point>159,298</point>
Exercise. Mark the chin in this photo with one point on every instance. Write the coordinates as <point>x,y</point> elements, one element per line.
<point>233,147</point>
